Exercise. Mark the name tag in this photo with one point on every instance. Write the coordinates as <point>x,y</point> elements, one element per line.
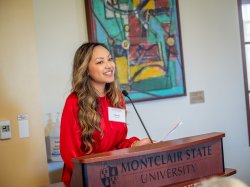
<point>116,114</point>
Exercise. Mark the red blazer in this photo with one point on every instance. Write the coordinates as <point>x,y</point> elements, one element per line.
<point>71,146</point>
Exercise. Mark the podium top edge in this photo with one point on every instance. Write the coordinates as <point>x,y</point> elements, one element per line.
<point>151,148</point>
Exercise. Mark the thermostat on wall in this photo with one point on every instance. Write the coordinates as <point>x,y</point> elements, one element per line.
<point>5,132</point>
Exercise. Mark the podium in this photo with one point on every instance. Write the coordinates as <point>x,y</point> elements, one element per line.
<point>180,162</point>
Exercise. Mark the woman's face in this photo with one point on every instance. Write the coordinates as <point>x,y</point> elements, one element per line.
<point>101,67</point>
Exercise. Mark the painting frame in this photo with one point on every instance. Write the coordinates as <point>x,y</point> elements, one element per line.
<point>144,39</point>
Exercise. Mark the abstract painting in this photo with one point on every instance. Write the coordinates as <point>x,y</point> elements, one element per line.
<point>144,39</point>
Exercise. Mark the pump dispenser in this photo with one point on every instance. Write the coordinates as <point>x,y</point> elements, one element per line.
<point>55,130</point>
<point>53,140</point>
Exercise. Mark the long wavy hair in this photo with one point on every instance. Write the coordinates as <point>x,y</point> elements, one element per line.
<point>88,116</point>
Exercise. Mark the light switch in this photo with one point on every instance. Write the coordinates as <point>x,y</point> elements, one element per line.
<point>5,131</point>
<point>23,125</point>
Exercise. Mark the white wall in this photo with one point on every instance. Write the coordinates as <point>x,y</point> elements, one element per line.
<point>60,28</point>
<point>212,58</point>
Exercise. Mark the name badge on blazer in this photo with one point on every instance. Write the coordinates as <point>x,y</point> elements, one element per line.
<point>116,114</point>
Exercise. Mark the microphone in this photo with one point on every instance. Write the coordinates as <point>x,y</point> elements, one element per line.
<point>125,93</point>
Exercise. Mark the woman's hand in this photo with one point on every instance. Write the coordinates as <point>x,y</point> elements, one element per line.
<point>143,141</point>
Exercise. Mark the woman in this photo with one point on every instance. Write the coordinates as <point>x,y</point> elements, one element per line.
<point>87,125</point>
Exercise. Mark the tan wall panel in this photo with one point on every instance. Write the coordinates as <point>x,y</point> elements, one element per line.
<point>22,160</point>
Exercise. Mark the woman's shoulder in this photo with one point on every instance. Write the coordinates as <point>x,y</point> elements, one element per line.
<point>121,99</point>
<point>72,98</point>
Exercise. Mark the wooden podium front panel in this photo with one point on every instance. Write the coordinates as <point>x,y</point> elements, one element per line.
<point>157,169</point>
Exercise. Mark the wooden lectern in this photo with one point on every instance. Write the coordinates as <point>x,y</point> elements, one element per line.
<point>180,162</point>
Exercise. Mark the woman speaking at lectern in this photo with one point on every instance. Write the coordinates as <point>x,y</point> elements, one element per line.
<point>88,124</point>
